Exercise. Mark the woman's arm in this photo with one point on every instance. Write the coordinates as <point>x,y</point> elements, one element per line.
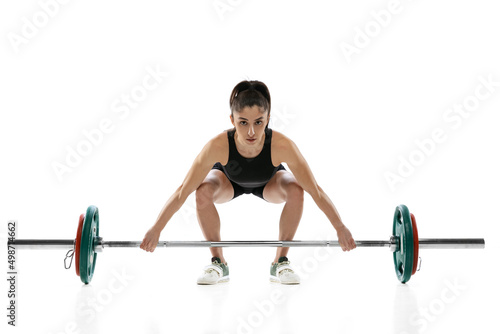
<point>203,163</point>
<point>195,176</point>
<point>291,155</point>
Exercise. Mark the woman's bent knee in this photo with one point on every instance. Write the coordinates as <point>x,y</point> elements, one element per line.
<point>294,192</point>
<point>205,194</point>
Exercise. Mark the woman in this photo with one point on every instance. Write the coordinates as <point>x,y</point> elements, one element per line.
<point>247,159</point>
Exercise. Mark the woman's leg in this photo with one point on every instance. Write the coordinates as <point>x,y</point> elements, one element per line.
<point>216,188</point>
<point>283,187</point>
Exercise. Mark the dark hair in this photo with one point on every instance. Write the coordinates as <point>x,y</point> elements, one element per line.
<point>249,94</point>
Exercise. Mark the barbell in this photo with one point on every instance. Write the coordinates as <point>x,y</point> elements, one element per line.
<point>404,244</point>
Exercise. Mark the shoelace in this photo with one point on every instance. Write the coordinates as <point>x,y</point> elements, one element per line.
<point>286,269</point>
<point>209,270</point>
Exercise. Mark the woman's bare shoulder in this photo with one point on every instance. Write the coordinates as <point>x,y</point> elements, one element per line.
<point>280,140</point>
<point>220,139</point>
<point>219,147</point>
<point>279,147</point>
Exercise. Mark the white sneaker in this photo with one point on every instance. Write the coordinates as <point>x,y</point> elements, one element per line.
<point>217,272</point>
<point>282,272</point>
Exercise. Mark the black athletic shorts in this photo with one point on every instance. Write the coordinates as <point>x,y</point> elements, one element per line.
<point>239,190</point>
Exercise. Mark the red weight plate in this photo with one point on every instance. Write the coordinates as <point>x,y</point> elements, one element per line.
<point>415,243</point>
<point>77,244</point>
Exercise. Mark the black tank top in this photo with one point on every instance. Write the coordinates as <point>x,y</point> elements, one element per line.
<point>250,172</point>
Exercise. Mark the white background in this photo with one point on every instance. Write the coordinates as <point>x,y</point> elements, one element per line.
<point>353,118</point>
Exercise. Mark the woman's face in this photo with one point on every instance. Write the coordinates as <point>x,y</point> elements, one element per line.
<point>250,124</point>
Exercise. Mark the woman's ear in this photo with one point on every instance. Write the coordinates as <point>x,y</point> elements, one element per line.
<point>232,120</point>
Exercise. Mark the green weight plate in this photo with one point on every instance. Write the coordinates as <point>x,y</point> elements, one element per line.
<point>403,231</point>
<point>90,232</point>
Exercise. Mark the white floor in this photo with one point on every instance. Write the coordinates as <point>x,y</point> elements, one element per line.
<point>358,292</point>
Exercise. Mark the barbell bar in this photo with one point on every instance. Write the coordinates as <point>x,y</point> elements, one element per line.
<point>101,244</point>
<point>404,243</point>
